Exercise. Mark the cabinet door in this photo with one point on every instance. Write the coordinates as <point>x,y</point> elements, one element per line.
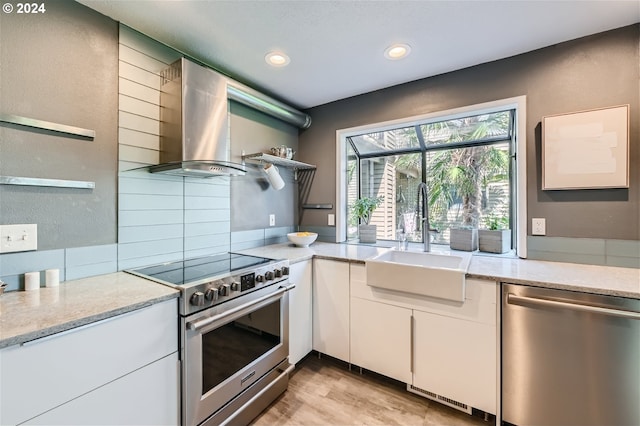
<point>456,359</point>
<point>45,373</point>
<point>331,308</point>
<point>300,311</point>
<point>148,396</point>
<point>381,338</point>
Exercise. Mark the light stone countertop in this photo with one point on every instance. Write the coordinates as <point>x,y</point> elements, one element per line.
<point>25,316</point>
<point>606,280</point>
<point>28,315</point>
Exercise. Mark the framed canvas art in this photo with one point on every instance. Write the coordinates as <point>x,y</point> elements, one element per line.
<point>586,149</point>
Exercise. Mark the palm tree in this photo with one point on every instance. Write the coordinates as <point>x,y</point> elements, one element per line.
<point>463,173</point>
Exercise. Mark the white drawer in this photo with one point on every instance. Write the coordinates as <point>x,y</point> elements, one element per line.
<point>42,374</point>
<point>148,396</point>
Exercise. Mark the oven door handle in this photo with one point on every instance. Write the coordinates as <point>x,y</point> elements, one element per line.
<point>199,325</point>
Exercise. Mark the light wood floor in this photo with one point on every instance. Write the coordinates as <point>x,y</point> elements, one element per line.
<point>324,392</point>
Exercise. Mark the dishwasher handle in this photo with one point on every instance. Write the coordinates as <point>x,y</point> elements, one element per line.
<point>514,299</point>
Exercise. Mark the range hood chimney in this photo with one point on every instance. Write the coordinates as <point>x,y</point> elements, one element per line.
<point>194,124</point>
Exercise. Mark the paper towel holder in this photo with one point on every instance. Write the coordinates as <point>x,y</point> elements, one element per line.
<point>273,176</point>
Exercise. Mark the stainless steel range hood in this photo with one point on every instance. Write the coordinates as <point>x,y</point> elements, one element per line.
<point>194,120</point>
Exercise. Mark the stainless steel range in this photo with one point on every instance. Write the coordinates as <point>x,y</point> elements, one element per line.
<point>234,329</point>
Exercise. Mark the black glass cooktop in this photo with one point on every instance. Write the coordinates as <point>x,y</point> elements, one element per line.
<point>185,272</point>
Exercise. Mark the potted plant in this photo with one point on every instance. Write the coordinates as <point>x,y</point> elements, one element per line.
<point>463,238</point>
<point>497,237</point>
<point>362,209</point>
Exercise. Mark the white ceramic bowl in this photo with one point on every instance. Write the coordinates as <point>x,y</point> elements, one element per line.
<point>302,239</point>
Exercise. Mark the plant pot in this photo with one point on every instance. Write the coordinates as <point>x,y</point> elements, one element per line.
<point>367,233</point>
<point>495,241</point>
<point>463,239</point>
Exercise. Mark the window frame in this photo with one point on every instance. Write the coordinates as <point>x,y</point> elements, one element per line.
<point>519,190</point>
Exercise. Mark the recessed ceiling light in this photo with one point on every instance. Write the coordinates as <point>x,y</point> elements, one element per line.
<point>277,59</point>
<point>397,51</point>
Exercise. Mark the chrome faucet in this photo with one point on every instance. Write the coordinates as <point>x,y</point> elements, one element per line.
<point>424,221</point>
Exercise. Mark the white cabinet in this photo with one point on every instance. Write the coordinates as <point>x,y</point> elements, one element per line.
<point>454,344</point>
<point>381,338</point>
<point>300,311</point>
<point>456,358</point>
<point>331,308</point>
<point>69,367</point>
<point>145,397</point>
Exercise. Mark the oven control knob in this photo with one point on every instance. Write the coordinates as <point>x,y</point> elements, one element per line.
<point>278,273</point>
<point>235,286</point>
<point>259,278</point>
<point>211,294</point>
<point>268,275</point>
<point>285,270</point>
<point>224,289</point>
<point>197,298</point>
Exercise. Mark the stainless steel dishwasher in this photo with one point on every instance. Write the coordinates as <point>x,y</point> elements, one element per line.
<point>569,358</point>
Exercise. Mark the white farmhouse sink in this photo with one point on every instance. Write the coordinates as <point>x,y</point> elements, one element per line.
<point>440,275</point>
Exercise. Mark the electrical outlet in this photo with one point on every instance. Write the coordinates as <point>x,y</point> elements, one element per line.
<point>331,219</point>
<point>15,238</point>
<point>272,220</point>
<point>538,226</point>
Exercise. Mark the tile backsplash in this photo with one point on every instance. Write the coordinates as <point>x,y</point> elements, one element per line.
<point>81,262</point>
<point>593,251</point>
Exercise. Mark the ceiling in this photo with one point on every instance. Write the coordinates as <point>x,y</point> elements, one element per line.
<point>336,47</point>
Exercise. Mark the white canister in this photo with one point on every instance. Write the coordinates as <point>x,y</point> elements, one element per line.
<point>31,281</point>
<point>52,277</point>
<point>273,176</point>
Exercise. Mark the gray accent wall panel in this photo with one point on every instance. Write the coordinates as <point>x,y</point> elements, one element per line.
<point>252,198</point>
<point>62,67</point>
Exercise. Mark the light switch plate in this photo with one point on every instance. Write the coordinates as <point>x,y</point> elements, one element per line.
<point>272,220</point>
<point>15,238</point>
<point>331,219</point>
<point>538,226</point>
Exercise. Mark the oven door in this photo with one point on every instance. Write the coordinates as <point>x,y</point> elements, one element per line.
<point>229,347</point>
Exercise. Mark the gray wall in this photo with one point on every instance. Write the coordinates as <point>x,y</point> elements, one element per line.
<point>62,67</point>
<point>597,71</point>
<point>252,198</point>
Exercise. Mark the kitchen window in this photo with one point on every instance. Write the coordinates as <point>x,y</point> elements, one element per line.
<point>467,159</point>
